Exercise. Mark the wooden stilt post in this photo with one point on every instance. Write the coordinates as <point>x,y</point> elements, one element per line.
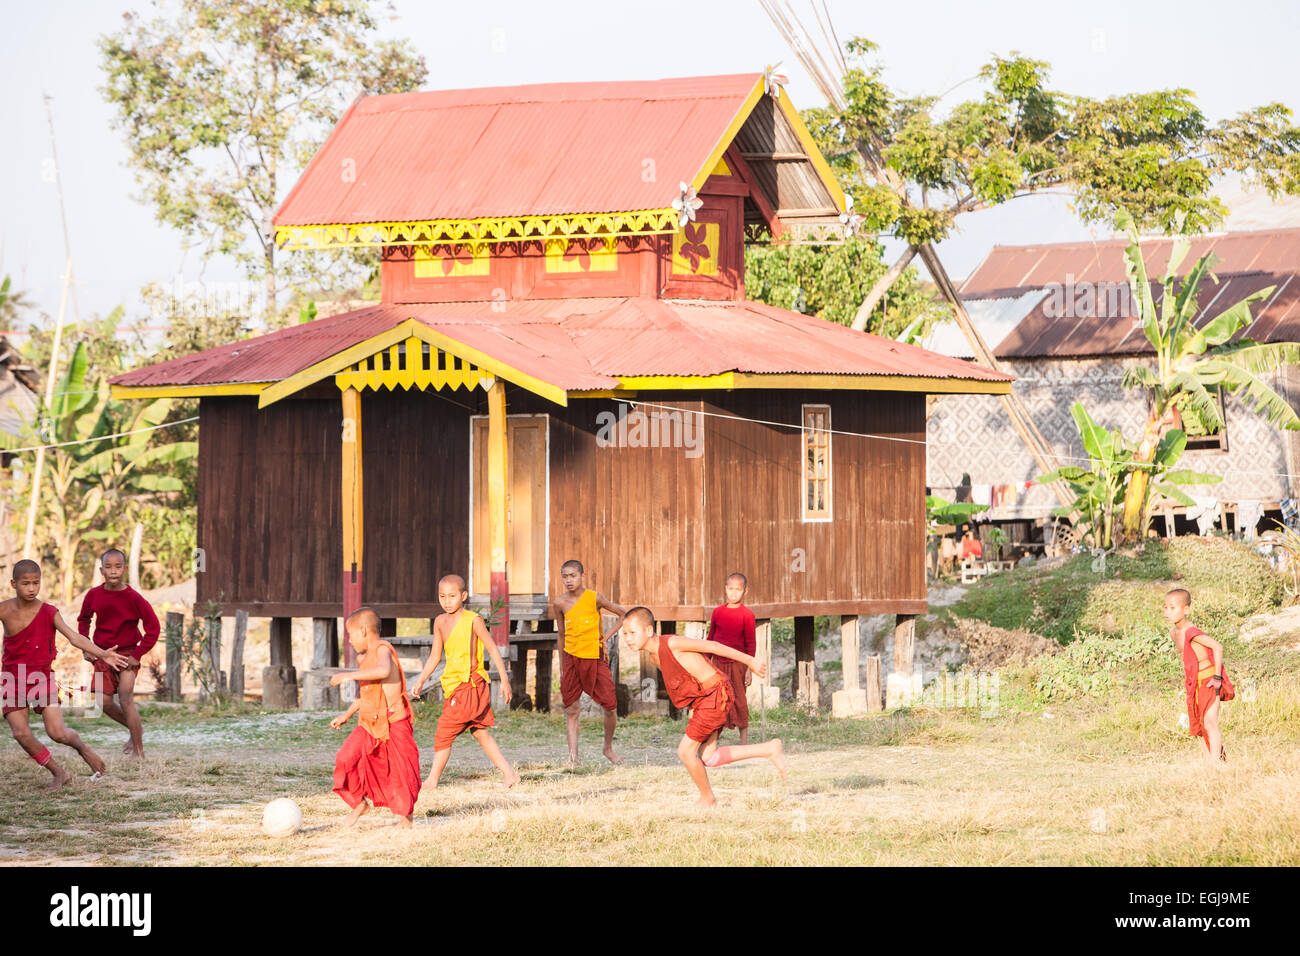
<point>174,634</point>
<point>542,677</point>
<point>901,687</point>
<point>498,519</point>
<point>237,657</point>
<point>805,689</point>
<point>666,627</point>
<point>851,699</point>
<point>279,679</point>
<point>352,511</point>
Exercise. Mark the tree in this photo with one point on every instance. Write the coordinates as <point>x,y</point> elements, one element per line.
<point>216,101</point>
<point>913,171</point>
<point>830,282</point>
<point>12,304</point>
<point>1192,357</point>
<point>1112,464</point>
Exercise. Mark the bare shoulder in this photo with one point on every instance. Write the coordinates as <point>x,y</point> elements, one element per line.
<point>441,623</point>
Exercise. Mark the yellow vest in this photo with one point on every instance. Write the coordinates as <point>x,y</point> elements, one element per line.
<point>456,649</point>
<point>582,627</point>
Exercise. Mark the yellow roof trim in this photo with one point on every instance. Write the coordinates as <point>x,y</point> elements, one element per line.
<point>344,360</point>
<point>817,380</point>
<point>729,135</point>
<point>120,392</point>
<point>810,147</point>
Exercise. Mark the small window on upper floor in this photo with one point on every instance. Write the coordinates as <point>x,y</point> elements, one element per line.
<point>816,463</point>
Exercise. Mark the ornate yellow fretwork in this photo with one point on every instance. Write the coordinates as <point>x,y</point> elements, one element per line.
<point>646,222</point>
<point>410,364</point>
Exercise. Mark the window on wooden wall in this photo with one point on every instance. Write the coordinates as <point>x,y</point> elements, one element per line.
<point>816,463</point>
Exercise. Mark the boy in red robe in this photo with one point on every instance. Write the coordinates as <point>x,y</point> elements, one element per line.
<point>26,678</point>
<point>118,610</point>
<point>693,682</point>
<point>1202,672</point>
<point>733,624</point>
<point>379,761</point>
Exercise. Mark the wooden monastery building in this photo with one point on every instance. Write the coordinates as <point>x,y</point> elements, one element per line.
<point>564,365</point>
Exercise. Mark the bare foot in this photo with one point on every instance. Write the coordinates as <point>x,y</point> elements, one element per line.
<point>126,747</point>
<point>136,754</point>
<point>612,757</point>
<point>513,779</point>
<point>404,821</point>
<point>430,784</point>
<point>708,801</point>
<point>95,761</point>
<point>356,813</point>
<point>61,777</point>
<point>573,763</point>
<point>778,757</point>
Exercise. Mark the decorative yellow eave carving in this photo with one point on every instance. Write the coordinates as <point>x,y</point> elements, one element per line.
<point>815,380</point>
<point>645,222</point>
<point>356,366</point>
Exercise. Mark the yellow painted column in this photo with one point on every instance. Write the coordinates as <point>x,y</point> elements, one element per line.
<point>498,491</point>
<point>352,510</point>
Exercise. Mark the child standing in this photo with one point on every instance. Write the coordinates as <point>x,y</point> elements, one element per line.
<point>118,610</point>
<point>467,696</point>
<point>693,682</point>
<point>733,624</point>
<point>584,666</point>
<point>1202,671</point>
<point>26,678</point>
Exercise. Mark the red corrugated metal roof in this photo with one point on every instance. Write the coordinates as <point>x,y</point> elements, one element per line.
<point>582,344</point>
<point>1250,261</point>
<point>515,151</point>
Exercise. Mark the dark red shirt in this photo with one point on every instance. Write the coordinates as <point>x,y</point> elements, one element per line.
<point>117,616</point>
<point>734,626</point>
<point>33,646</point>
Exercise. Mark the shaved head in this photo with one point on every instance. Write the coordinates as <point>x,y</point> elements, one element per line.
<point>25,566</point>
<point>455,579</point>
<point>642,616</point>
<point>1181,594</point>
<point>365,618</point>
<point>111,551</point>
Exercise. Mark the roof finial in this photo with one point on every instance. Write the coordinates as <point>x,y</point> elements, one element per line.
<point>773,81</point>
<point>848,218</point>
<point>686,204</point>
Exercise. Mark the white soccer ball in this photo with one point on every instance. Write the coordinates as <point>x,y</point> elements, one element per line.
<point>1183,722</point>
<point>281,818</point>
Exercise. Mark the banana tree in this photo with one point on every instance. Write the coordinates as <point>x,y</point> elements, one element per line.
<point>1191,358</point>
<point>1112,464</point>
<point>105,467</point>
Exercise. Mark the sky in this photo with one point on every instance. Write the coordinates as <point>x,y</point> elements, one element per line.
<point>1234,56</point>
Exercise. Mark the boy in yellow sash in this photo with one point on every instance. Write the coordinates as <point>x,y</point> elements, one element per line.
<point>584,666</point>
<point>467,696</point>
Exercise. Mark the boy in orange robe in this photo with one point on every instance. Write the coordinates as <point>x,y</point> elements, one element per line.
<point>733,624</point>
<point>1202,672</point>
<point>26,678</point>
<point>379,761</point>
<point>584,666</point>
<point>467,695</point>
<point>693,682</point>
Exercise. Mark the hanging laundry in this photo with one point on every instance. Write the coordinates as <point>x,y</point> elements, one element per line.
<point>1291,512</point>
<point>1248,515</point>
<point>1204,512</point>
<point>981,494</point>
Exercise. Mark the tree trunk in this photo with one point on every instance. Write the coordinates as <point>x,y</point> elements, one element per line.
<point>883,285</point>
<point>1139,483</point>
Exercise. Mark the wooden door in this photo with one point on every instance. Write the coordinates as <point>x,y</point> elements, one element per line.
<point>526,506</point>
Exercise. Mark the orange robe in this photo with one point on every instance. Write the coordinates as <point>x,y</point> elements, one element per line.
<point>379,761</point>
<point>1198,668</point>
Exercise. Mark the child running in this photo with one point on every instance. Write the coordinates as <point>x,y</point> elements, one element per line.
<point>379,761</point>
<point>693,682</point>
<point>118,610</point>
<point>26,678</point>
<point>467,696</point>
<point>733,624</point>
<point>584,665</point>
<point>1202,670</point>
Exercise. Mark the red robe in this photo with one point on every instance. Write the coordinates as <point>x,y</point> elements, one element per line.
<point>379,761</point>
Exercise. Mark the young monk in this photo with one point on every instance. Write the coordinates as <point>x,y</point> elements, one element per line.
<point>118,610</point>
<point>26,678</point>
<point>733,624</point>
<point>379,761</point>
<point>467,695</point>
<point>693,682</point>
<point>1202,669</point>
<point>584,665</point>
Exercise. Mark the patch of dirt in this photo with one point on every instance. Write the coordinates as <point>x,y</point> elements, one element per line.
<point>989,648</point>
<point>1281,627</point>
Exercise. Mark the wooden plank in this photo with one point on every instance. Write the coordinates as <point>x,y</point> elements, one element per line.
<point>237,656</point>
<point>849,650</point>
<point>904,643</point>
<point>875,700</point>
<point>174,634</point>
<point>281,641</point>
<point>804,654</point>
<point>324,642</point>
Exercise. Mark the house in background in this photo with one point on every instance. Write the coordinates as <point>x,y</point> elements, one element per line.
<point>1058,317</point>
<point>19,386</point>
<point>560,367</point>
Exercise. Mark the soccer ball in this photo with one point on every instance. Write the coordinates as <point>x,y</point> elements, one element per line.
<point>281,818</point>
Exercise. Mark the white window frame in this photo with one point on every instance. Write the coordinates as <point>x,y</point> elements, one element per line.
<point>804,476</point>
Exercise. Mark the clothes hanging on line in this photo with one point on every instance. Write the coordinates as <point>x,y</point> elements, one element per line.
<point>1291,512</point>
<point>1204,512</point>
<point>1248,515</point>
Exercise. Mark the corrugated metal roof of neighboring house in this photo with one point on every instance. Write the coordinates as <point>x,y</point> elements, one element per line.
<point>582,344</point>
<point>516,150</point>
<point>1053,326</point>
<point>993,320</point>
